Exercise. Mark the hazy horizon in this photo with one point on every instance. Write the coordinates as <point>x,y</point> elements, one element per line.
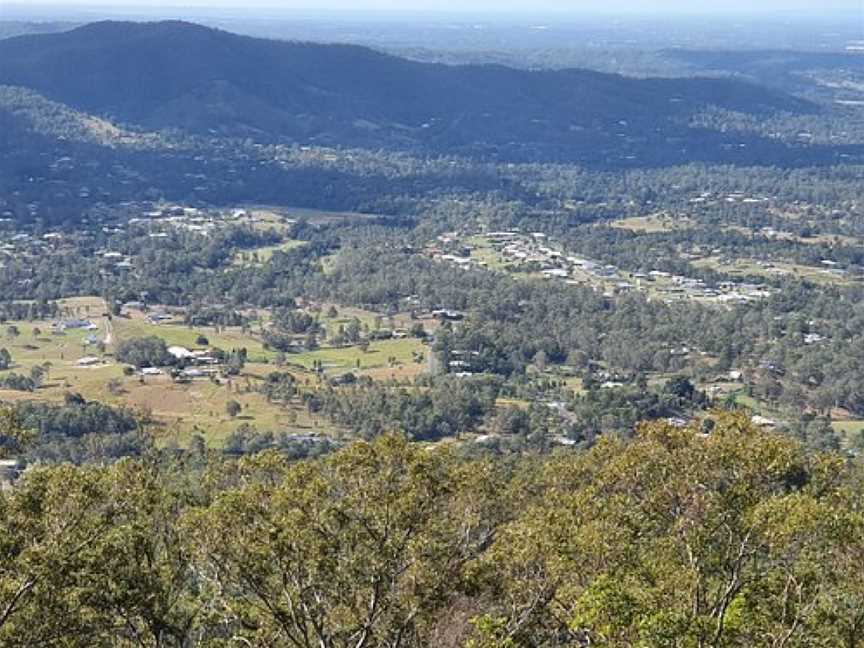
<point>492,7</point>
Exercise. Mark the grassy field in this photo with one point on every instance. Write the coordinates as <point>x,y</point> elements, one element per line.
<point>261,255</point>
<point>655,224</point>
<point>749,267</point>
<point>323,217</point>
<point>186,336</point>
<point>513,402</point>
<point>267,219</point>
<point>182,410</point>
<point>265,216</point>
<point>484,252</point>
<point>849,430</point>
<point>381,354</point>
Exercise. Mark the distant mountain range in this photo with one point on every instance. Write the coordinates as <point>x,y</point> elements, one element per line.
<point>176,75</point>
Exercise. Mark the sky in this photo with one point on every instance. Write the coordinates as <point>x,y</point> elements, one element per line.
<point>478,6</point>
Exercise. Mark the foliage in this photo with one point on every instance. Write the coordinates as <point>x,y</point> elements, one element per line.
<point>735,538</point>
<point>144,352</point>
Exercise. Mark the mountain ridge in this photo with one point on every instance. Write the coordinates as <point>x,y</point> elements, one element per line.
<point>174,74</point>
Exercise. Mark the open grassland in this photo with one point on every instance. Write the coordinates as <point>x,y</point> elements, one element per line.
<point>226,338</point>
<point>655,224</point>
<point>485,253</point>
<point>783,235</point>
<point>269,216</point>
<point>750,267</point>
<point>516,403</point>
<point>384,354</point>
<point>260,256</point>
<point>181,410</point>
<point>323,217</point>
<point>851,431</point>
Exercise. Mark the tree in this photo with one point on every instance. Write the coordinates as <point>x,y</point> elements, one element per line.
<point>14,437</point>
<point>352,330</point>
<point>114,386</point>
<point>145,352</point>
<point>676,537</point>
<point>233,408</point>
<point>95,556</point>
<point>540,360</point>
<point>360,548</point>
<point>37,374</point>
<point>5,359</point>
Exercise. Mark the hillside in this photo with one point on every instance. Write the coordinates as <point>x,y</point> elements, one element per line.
<point>825,76</point>
<point>180,75</point>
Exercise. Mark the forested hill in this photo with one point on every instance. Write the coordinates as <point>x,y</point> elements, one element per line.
<point>181,75</point>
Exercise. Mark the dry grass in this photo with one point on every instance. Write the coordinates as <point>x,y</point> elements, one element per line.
<point>749,267</point>
<point>654,224</point>
<point>182,410</point>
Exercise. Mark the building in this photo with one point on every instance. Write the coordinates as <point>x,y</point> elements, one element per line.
<point>447,315</point>
<point>88,361</point>
<point>10,470</point>
<point>181,353</point>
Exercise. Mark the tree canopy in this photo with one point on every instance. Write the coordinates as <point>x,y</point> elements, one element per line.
<point>738,537</point>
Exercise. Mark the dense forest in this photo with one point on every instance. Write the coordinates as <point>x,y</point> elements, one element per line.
<point>717,534</point>
<point>351,96</point>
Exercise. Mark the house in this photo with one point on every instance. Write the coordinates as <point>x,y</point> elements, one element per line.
<point>446,314</point>
<point>88,361</point>
<point>10,470</point>
<point>762,421</point>
<point>555,272</point>
<point>181,353</point>
<point>458,260</point>
<point>76,324</point>
<point>151,371</point>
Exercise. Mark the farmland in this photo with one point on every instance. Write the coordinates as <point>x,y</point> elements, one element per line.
<point>655,224</point>
<point>181,409</point>
<point>750,267</point>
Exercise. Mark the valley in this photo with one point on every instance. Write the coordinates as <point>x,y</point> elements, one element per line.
<point>476,328</point>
